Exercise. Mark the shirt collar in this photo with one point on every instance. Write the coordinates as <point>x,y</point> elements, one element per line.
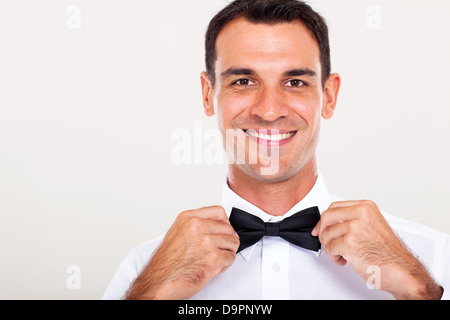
<point>317,196</point>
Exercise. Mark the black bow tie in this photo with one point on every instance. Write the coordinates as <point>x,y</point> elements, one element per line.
<point>296,229</point>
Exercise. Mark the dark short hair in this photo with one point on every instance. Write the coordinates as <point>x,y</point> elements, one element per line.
<point>269,12</point>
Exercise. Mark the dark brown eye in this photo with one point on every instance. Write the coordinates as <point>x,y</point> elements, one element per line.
<point>244,82</point>
<point>295,83</point>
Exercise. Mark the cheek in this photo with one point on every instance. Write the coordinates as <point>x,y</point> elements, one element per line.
<point>308,108</point>
<point>230,108</point>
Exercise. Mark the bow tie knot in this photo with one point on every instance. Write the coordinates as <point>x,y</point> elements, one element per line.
<point>296,229</point>
<point>272,229</point>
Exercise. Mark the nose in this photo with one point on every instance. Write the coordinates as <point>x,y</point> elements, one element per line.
<point>269,104</point>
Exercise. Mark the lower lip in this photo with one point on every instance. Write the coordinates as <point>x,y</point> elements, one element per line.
<point>271,143</point>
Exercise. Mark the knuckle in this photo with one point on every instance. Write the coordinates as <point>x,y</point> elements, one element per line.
<point>364,209</point>
<point>327,247</point>
<point>353,225</point>
<point>214,256</point>
<point>205,240</point>
<point>334,204</point>
<point>323,223</point>
<point>370,203</point>
<point>231,257</point>
<point>194,224</point>
<point>228,258</point>
<point>220,258</point>
<point>324,215</point>
<point>229,229</point>
<point>236,244</point>
<point>184,215</point>
<point>348,242</point>
<point>216,211</point>
<point>323,237</point>
<point>219,209</point>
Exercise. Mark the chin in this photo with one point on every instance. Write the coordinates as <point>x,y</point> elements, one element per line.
<point>268,174</point>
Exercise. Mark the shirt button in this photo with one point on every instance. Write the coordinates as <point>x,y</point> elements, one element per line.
<point>276,267</point>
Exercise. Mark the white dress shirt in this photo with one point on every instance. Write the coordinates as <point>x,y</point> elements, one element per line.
<point>275,269</point>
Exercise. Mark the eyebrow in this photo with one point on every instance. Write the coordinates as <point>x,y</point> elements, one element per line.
<point>249,72</point>
<point>300,72</point>
<point>237,72</point>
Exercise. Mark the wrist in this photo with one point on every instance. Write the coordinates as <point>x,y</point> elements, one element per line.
<point>416,285</point>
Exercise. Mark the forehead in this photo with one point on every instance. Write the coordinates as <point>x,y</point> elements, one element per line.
<point>284,45</point>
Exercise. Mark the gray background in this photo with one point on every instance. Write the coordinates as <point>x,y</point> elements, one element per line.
<point>88,107</point>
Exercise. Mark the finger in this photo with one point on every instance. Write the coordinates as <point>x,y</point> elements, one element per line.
<point>217,227</point>
<point>334,232</point>
<point>336,215</point>
<point>340,204</point>
<point>216,213</point>
<point>205,220</point>
<point>224,269</point>
<point>219,241</point>
<point>340,261</point>
<point>360,203</point>
<point>216,261</point>
<point>315,231</point>
<point>335,251</point>
<point>227,259</point>
<point>227,242</point>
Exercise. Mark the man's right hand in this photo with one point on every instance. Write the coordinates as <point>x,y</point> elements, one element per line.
<point>199,245</point>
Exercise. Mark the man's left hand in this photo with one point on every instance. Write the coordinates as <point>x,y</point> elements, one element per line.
<point>356,232</point>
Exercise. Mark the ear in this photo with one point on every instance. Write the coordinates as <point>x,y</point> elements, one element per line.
<point>330,94</point>
<point>208,106</point>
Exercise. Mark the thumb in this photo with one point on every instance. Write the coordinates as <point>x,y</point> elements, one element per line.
<point>315,231</point>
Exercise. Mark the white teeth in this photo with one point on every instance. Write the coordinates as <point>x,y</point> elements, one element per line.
<point>275,137</point>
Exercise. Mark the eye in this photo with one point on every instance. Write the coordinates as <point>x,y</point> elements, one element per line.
<point>295,83</point>
<point>244,82</point>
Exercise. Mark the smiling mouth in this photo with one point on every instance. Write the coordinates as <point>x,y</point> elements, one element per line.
<point>270,134</point>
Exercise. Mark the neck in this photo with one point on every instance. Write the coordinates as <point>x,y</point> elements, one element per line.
<point>274,198</point>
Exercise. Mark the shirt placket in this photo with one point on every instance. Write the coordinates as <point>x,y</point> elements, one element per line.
<point>275,268</point>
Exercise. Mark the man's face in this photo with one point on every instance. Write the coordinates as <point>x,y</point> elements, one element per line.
<point>268,81</point>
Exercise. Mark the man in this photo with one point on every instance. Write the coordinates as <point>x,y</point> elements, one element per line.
<point>269,83</point>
